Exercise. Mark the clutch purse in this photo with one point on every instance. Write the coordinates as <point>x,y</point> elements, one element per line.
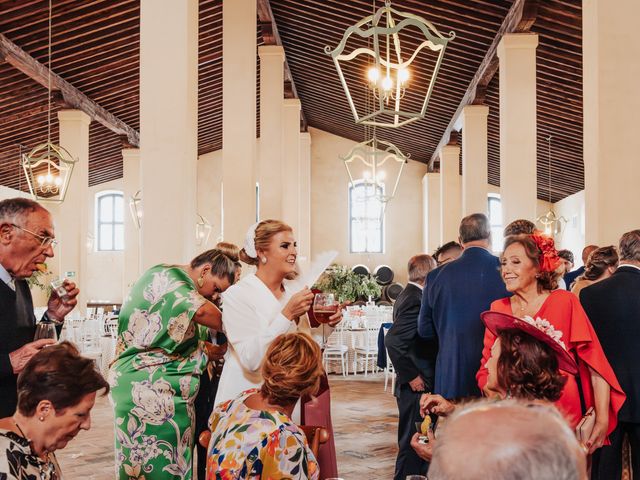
<point>585,427</point>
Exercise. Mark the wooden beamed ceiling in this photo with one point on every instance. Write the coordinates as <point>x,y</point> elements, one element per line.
<point>96,51</point>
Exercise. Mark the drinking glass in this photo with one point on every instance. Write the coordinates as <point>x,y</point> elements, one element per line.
<point>46,329</point>
<point>58,287</point>
<point>324,306</point>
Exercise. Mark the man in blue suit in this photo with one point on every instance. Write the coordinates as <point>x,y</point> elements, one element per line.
<point>455,295</point>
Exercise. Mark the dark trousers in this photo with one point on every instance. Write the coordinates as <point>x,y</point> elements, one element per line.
<point>204,406</point>
<point>607,461</point>
<point>407,462</point>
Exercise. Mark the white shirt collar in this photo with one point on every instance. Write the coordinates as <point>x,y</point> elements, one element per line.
<point>416,284</point>
<point>7,278</point>
<point>628,265</point>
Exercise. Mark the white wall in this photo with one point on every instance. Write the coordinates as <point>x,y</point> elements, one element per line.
<point>573,235</point>
<point>330,209</point>
<point>104,269</point>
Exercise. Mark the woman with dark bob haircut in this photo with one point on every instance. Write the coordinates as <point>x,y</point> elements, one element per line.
<point>525,363</point>
<point>56,392</point>
<point>529,264</point>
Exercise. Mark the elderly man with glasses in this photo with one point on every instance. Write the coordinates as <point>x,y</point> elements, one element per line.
<point>26,242</point>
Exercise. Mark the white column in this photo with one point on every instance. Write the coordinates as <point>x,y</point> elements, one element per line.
<point>610,52</point>
<point>238,118</point>
<point>271,115</point>
<point>518,187</point>
<point>450,193</point>
<point>72,221</point>
<point>291,163</point>
<point>431,212</point>
<point>474,159</point>
<point>304,186</point>
<point>168,129</point>
<point>131,179</point>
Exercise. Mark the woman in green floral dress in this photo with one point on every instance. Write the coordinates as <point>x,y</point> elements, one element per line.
<point>159,359</point>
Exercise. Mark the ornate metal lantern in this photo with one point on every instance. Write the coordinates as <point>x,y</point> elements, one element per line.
<point>203,230</point>
<point>135,207</point>
<point>550,223</point>
<point>48,169</point>
<point>375,161</point>
<point>380,45</point>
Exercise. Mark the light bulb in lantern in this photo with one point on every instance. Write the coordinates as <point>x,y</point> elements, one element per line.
<point>387,83</point>
<point>49,178</point>
<point>58,181</point>
<point>366,175</point>
<point>381,175</point>
<point>40,179</point>
<point>403,75</point>
<point>373,74</point>
<point>547,229</point>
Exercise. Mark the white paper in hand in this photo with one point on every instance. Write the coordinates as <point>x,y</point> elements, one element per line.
<point>308,276</point>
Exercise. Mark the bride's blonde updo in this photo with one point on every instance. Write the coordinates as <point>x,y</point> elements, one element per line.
<point>292,368</point>
<point>264,232</point>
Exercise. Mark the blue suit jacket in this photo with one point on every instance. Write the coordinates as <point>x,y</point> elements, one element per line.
<point>454,296</point>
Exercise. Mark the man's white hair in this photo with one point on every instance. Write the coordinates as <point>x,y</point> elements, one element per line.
<point>507,440</point>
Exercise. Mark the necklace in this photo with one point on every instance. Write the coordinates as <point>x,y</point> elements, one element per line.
<point>46,454</point>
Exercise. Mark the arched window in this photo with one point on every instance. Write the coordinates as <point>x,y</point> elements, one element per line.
<point>110,220</point>
<point>366,218</point>
<point>495,220</point>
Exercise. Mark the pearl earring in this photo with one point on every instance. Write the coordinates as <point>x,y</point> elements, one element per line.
<point>41,419</point>
<point>264,260</point>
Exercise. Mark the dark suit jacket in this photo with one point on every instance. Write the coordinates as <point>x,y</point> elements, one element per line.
<point>452,301</point>
<point>570,277</point>
<point>17,328</point>
<point>613,306</point>
<point>410,354</point>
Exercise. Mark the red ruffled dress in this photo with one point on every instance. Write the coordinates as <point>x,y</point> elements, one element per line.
<point>563,310</point>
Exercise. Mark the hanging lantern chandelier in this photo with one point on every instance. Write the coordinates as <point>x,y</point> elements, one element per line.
<point>550,223</point>
<point>379,55</point>
<point>48,167</point>
<point>203,230</point>
<point>375,161</point>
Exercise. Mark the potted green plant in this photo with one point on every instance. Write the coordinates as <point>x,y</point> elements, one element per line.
<point>346,285</point>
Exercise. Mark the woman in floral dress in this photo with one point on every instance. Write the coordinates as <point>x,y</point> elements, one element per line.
<point>159,359</point>
<point>252,436</point>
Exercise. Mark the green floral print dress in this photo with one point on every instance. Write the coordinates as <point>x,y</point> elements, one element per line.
<point>155,376</point>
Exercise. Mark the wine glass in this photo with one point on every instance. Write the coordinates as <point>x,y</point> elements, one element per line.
<point>46,329</point>
<point>324,307</point>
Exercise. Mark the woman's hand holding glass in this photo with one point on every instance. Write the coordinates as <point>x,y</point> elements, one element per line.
<point>298,304</point>
<point>433,403</point>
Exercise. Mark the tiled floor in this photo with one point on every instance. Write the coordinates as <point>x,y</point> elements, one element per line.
<point>364,417</point>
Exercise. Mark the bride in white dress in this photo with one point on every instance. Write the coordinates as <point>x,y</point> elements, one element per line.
<point>260,307</point>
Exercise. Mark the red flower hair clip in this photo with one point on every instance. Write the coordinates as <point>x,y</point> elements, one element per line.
<point>548,259</point>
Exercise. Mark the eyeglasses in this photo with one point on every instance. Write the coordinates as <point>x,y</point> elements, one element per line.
<point>45,241</point>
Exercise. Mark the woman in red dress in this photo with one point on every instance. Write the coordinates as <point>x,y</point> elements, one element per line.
<point>528,270</point>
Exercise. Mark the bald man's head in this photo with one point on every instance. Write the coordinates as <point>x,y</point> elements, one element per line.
<point>507,440</point>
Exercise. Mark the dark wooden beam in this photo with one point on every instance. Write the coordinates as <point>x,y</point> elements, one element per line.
<point>520,18</point>
<point>72,97</point>
<point>270,36</point>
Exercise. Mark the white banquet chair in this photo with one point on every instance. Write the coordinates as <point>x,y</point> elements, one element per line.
<point>367,352</point>
<point>336,350</point>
